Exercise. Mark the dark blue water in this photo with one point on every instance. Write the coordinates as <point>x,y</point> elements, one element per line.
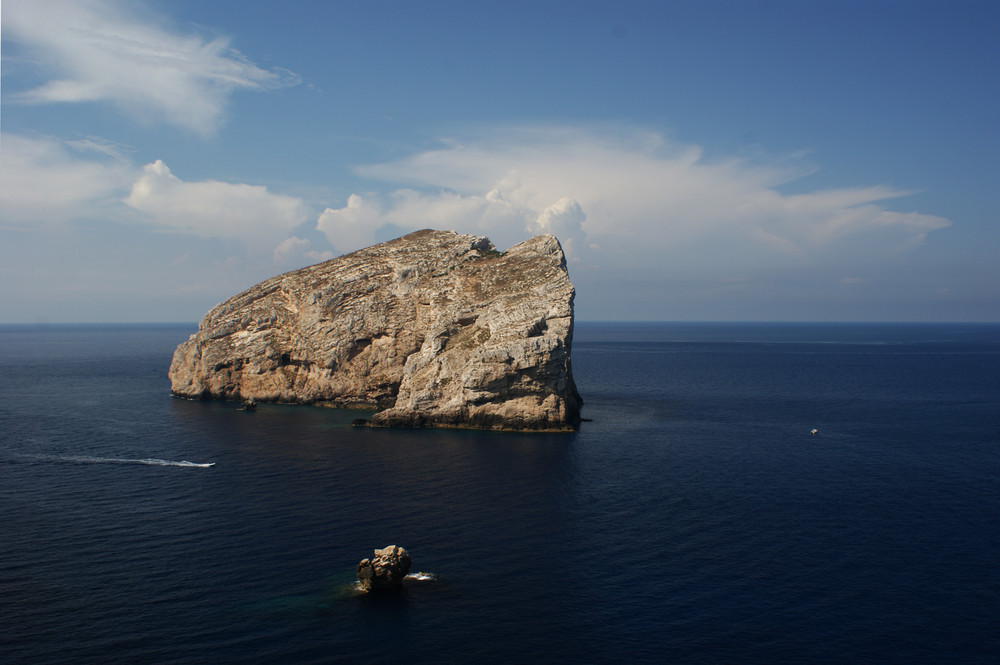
<point>695,520</point>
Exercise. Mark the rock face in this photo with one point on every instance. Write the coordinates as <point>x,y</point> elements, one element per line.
<point>434,329</point>
<point>385,570</point>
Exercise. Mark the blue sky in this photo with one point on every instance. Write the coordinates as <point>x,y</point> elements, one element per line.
<point>752,160</point>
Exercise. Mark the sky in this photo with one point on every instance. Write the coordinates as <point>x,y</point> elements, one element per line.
<point>751,160</point>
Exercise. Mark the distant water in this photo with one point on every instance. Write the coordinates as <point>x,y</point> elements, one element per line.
<point>696,519</point>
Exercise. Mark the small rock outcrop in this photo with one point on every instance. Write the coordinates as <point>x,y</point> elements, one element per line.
<point>434,329</point>
<point>385,570</point>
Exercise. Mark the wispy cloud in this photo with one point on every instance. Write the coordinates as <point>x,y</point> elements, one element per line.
<point>105,51</point>
<point>619,197</point>
<point>45,181</point>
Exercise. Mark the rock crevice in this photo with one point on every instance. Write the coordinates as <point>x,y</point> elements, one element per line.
<point>433,329</point>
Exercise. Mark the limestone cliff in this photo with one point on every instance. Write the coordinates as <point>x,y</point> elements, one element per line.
<point>434,329</point>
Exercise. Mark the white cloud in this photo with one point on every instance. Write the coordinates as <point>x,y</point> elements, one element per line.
<point>634,197</point>
<point>250,213</point>
<point>563,219</point>
<point>293,250</point>
<point>86,234</point>
<point>353,226</point>
<point>101,50</point>
<point>45,181</point>
<point>289,247</point>
<point>496,214</point>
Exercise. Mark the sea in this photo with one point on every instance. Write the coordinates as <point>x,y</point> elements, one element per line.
<point>739,493</point>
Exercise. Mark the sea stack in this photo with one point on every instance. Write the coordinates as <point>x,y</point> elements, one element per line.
<point>385,569</point>
<point>434,329</point>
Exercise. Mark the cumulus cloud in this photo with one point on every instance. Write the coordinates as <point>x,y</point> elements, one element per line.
<point>211,208</point>
<point>290,247</point>
<point>46,182</point>
<point>563,219</point>
<point>102,51</point>
<point>495,213</point>
<point>619,197</point>
<point>295,250</point>
<point>353,226</point>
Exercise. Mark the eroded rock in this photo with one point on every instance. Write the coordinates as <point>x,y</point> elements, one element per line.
<point>432,329</point>
<point>385,570</point>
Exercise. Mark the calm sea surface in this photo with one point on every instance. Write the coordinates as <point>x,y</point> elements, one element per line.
<point>696,519</point>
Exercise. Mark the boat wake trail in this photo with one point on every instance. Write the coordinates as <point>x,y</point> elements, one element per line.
<point>148,461</point>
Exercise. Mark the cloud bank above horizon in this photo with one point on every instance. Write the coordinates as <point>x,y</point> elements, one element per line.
<point>615,196</point>
<point>46,183</point>
<point>615,200</point>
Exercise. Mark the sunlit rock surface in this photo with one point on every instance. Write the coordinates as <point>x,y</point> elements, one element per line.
<point>433,329</point>
<point>385,569</point>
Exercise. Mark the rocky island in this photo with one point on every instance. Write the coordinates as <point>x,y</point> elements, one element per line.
<point>434,329</point>
<point>385,569</point>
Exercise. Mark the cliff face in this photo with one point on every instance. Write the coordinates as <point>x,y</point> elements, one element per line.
<point>434,329</point>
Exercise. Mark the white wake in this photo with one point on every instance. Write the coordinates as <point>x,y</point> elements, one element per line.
<point>149,461</point>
